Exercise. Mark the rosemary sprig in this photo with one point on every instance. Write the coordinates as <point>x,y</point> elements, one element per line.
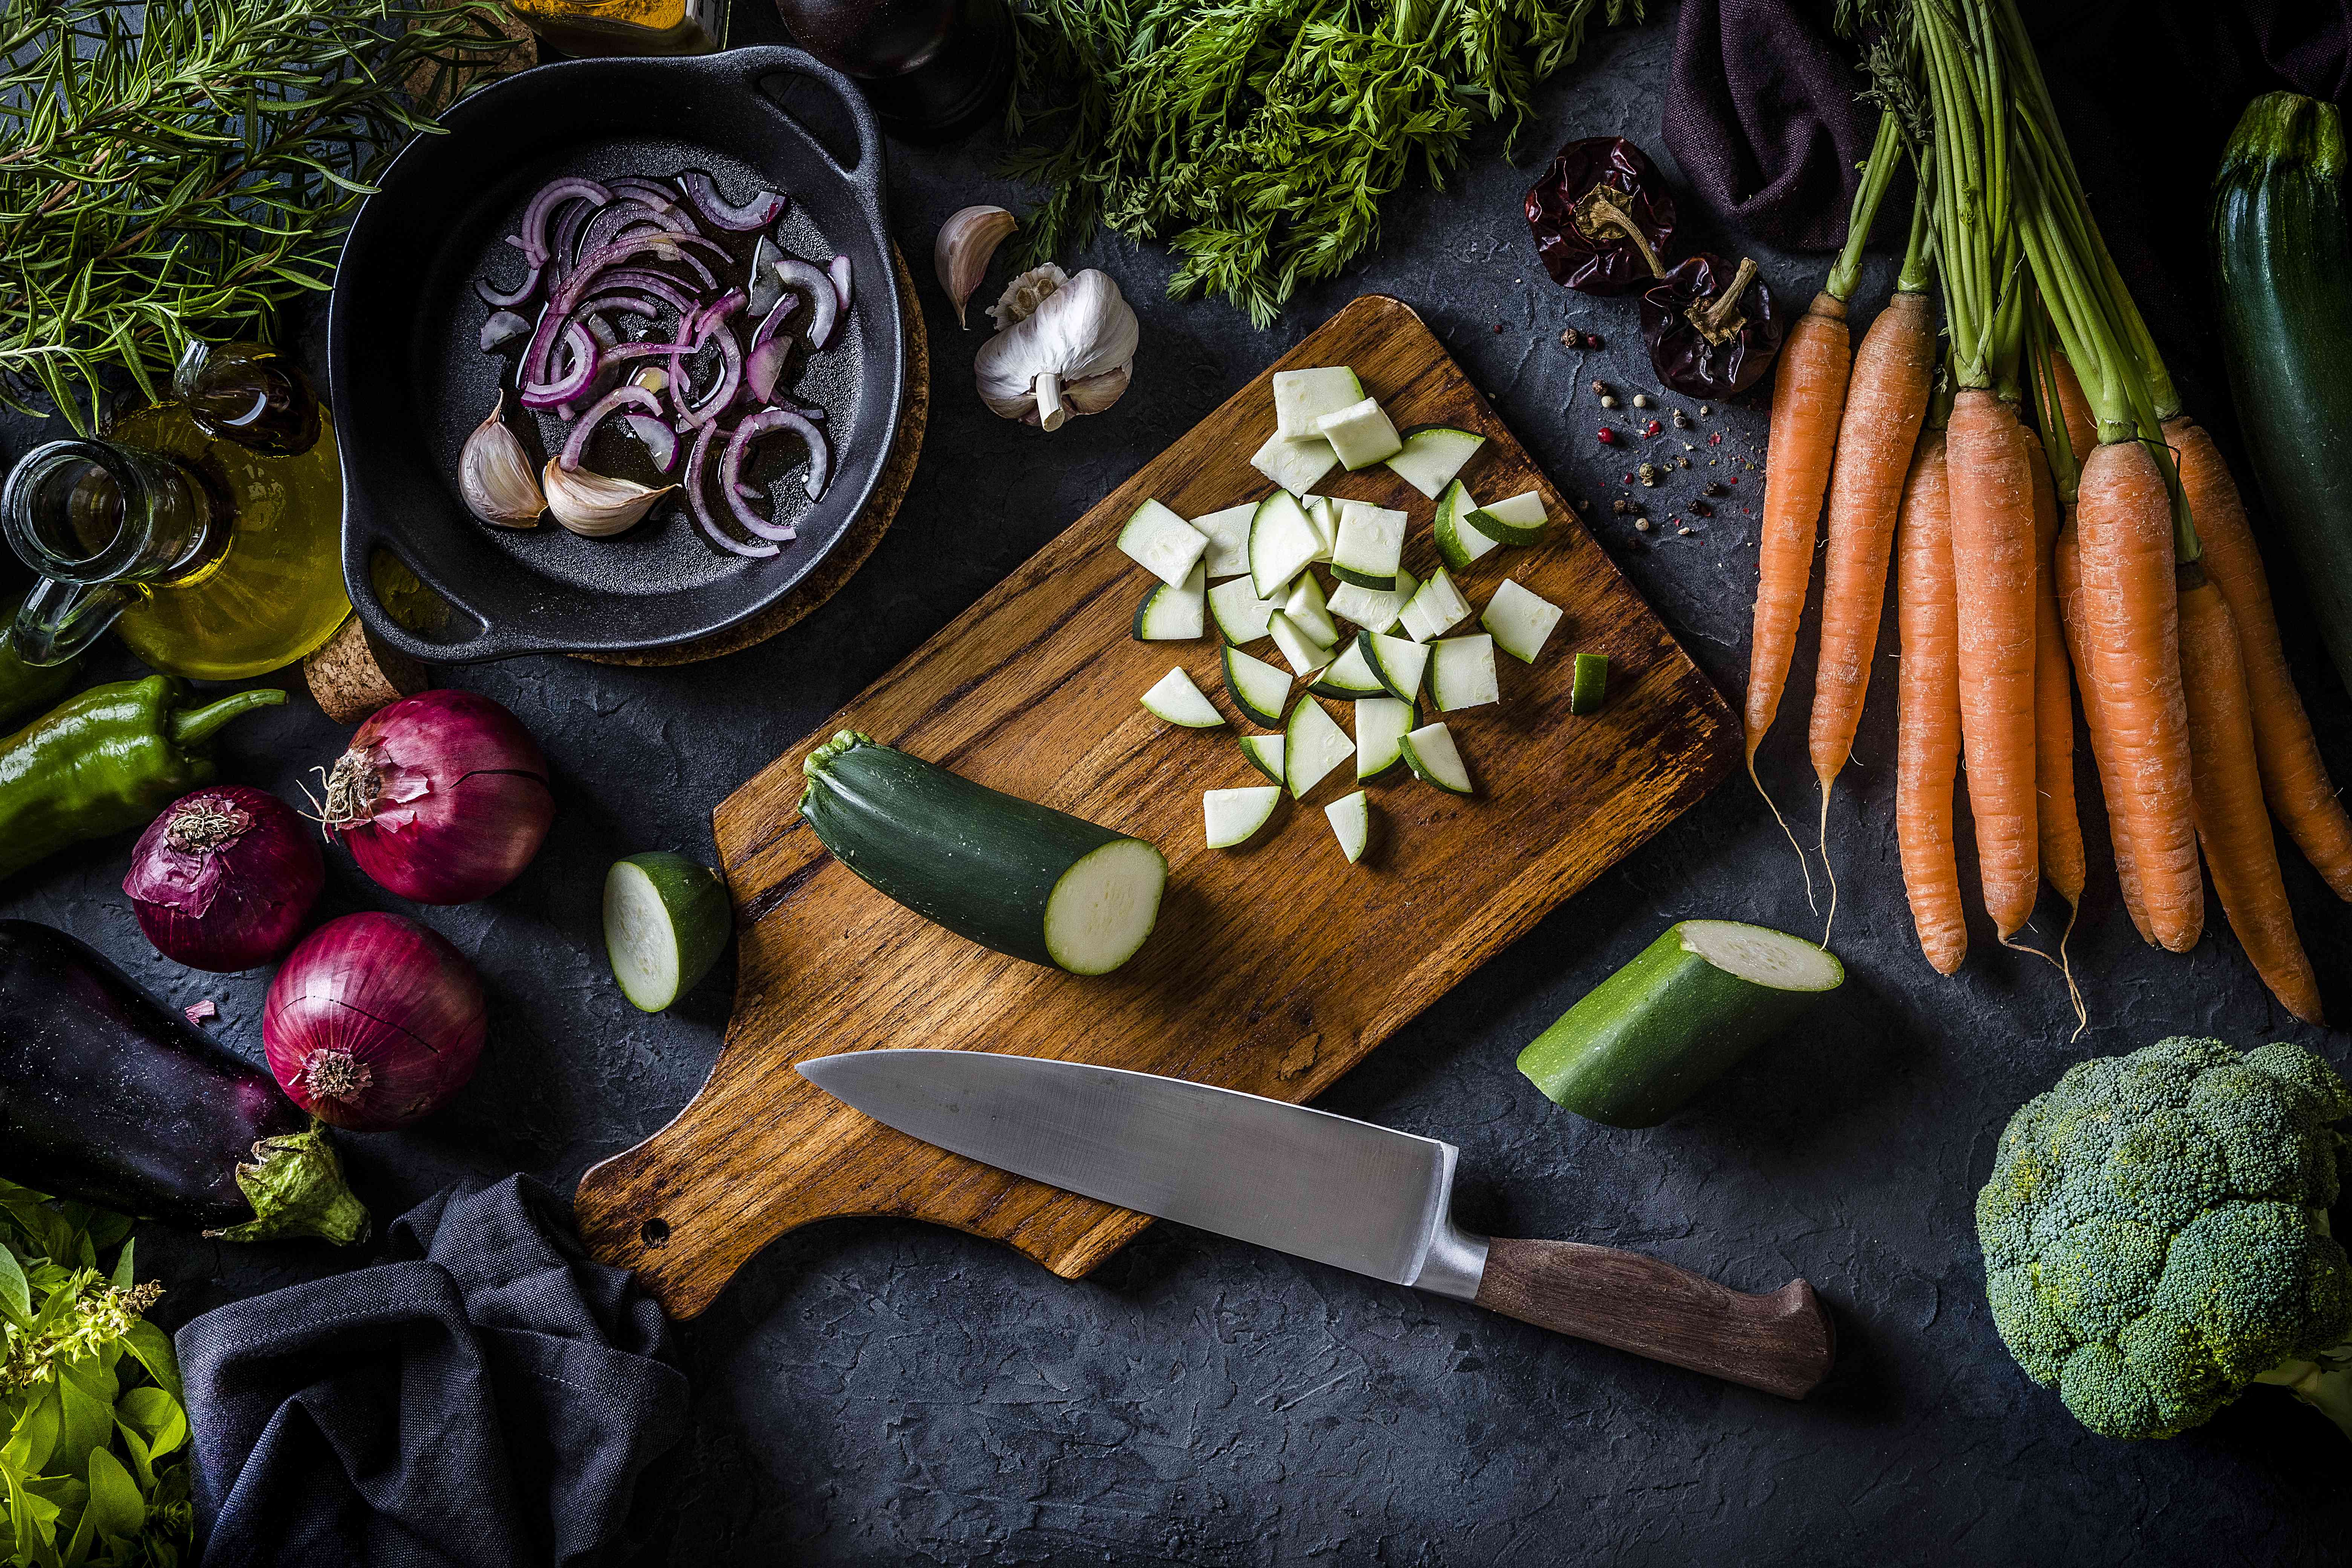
<point>1259,137</point>
<point>170,169</point>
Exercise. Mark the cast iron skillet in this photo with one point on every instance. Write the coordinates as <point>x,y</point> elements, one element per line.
<point>410,381</point>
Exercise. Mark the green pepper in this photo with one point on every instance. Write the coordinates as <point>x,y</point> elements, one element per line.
<point>107,761</point>
<point>24,686</point>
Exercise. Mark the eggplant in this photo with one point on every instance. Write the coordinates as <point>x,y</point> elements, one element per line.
<point>107,1096</point>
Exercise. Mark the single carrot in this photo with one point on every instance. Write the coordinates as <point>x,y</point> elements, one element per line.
<point>2081,428</point>
<point>2130,631</point>
<point>2066,561</point>
<point>1877,437</point>
<point>1927,709</point>
<point>1808,399</point>
<point>2294,779</point>
<point>2056,826</point>
<point>2231,822</point>
<point>1994,577</point>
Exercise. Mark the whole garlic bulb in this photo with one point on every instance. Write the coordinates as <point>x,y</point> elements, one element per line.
<point>1073,353</point>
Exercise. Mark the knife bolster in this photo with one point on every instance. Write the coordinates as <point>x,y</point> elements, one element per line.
<point>1455,1263</point>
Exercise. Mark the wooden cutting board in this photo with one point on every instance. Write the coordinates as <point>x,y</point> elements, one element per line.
<point>1272,969</point>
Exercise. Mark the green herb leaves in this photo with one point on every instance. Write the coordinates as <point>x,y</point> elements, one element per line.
<point>91,1428</point>
<point>185,167</point>
<point>1259,137</point>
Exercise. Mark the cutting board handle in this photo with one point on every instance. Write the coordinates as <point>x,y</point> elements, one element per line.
<point>1782,1342</point>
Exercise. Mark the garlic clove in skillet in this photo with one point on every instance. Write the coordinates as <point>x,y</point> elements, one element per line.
<point>1075,353</point>
<point>596,506</point>
<point>493,473</point>
<point>961,253</point>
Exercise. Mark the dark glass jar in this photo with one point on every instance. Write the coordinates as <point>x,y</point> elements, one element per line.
<point>933,69</point>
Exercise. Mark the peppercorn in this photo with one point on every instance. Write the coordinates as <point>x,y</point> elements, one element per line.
<point>1607,401</point>
<point>1624,506</point>
<point>1592,340</point>
<point>1681,419</point>
<point>1643,523</point>
<point>1608,436</point>
<point>1641,400</point>
<point>1600,389</point>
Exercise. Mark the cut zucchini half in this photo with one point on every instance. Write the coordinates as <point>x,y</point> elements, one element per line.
<point>1175,699</point>
<point>1641,1042</point>
<point>1458,545</point>
<point>1590,687</point>
<point>666,920</point>
<point>1296,466</point>
<point>1163,543</point>
<point>1281,542</point>
<point>1303,396</point>
<point>1259,689</point>
<point>1370,545</point>
<point>1308,611</point>
<point>1437,608</point>
<point>1264,754</point>
<point>1173,615</point>
<point>1007,873</point>
<point>1304,653</point>
<point>1348,676</point>
<point>1374,609</point>
<point>1432,755</point>
<point>1461,673</point>
<point>1520,620</point>
<point>1233,816</point>
<point>1395,663</point>
<point>1360,434</point>
<point>1312,745</point>
<point>1351,816</point>
<point>1381,726</point>
<point>1516,520</point>
<point>1227,532</point>
<point>1240,614</point>
<point>1432,455</point>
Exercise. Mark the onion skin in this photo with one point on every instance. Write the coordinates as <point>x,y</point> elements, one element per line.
<point>443,797</point>
<point>373,1022</point>
<point>225,879</point>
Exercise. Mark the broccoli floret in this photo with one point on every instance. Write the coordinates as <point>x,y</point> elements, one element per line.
<point>2156,1235</point>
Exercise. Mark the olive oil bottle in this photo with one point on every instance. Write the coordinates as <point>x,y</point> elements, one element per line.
<point>205,529</point>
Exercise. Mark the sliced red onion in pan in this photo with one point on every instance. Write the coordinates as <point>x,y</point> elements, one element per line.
<point>551,195</point>
<point>606,226</point>
<point>658,440</point>
<point>748,490</point>
<point>762,285</point>
<point>666,290</point>
<point>598,327</point>
<point>703,191</point>
<point>574,289</point>
<point>578,372</point>
<point>502,327</point>
<point>622,396</point>
<point>820,461</point>
<point>710,326</point>
<point>838,270</point>
<point>697,463</point>
<point>491,294</point>
<point>766,366</point>
<point>630,304</point>
<point>661,193</point>
<point>824,305</point>
<point>784,306</point>
<point>564,249</point>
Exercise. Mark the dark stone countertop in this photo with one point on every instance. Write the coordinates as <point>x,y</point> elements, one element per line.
<point>874,1391</point>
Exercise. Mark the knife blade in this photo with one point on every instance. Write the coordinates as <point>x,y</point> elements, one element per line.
<point>1325,1187</point>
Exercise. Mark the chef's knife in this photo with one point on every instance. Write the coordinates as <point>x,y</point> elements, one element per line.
<point>1322,1186</point>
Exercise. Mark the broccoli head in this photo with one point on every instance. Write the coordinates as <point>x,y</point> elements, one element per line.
<point>2156,1235</point>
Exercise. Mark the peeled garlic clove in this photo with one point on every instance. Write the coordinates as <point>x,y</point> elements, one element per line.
<point>596,506</point>
<point>493,473</point>
<point>961,253</point>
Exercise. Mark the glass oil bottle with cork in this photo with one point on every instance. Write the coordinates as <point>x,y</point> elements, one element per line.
<point>206,529</point>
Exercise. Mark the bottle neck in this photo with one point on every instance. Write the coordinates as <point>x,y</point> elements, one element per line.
<point>89,512</point>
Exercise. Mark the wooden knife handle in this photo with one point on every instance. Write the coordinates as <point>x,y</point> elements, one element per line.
<point>1782,1342</point>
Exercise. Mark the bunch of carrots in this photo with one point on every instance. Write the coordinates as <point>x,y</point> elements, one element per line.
<point>2100,550</point>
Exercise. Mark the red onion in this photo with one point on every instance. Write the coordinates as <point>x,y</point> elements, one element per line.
<point>730,465</point>
<point>624,396</point>
<point>659,440</point>
<point>443,797</point>
<point>698,465</point>
<point>373,1022</point>
<point>838,270</point>
<point>645,188</point>
<point>223,879</point>
<point>710,326</point>
<point>493,295</point>
<point>554,194</point>
<point>502,326</point>
<point>703,191</point>
<point>824,304</point>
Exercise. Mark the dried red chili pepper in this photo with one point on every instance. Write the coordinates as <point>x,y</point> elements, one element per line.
<point>1712,329</point>
<point>1601,217</point>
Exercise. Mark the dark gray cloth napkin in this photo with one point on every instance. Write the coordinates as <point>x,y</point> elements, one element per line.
<point>483,1398</point>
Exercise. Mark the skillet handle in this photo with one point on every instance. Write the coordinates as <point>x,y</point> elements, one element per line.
<point>362,539</point>
<point>866,176</point>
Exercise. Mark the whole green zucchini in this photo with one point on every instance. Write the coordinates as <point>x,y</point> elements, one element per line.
<point>1009,874</point>
<point>2283,271</point>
